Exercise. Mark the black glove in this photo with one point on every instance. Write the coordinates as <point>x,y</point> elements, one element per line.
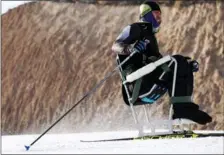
<point>194,66</point>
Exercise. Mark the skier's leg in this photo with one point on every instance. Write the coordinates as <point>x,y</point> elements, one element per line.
<point>150,89</point>
<point>183,105</point>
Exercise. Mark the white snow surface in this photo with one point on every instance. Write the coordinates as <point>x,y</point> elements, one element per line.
<point>70,144</point>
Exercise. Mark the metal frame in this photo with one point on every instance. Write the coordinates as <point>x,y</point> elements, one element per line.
<point>140,127</point>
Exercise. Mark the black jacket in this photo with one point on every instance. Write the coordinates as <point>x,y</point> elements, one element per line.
<point>129,36</point>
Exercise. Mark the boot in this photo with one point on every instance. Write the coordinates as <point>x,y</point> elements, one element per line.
<point>190,111</point>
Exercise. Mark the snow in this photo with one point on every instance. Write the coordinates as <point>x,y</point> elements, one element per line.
<point>70,144</point>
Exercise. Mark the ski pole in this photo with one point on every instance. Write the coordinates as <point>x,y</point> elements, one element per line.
<point>77,103</point>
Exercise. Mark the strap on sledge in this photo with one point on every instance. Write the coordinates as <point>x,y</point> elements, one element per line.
<point>136,90</point>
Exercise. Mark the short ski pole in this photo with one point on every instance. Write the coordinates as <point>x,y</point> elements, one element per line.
<point>77,103</point>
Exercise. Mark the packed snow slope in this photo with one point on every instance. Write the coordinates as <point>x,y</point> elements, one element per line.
<point>70,144</point>
<point>53,53</point>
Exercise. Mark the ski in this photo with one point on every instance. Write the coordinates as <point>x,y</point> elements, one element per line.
<point>188,134</point>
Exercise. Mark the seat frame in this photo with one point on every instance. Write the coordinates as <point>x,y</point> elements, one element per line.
<point>170,123</point>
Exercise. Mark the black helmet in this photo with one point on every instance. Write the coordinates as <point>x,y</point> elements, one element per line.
<point>148,6</point>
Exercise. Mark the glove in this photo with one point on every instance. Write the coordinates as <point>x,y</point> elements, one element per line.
<point>194,66</point>
<point>140,46</point>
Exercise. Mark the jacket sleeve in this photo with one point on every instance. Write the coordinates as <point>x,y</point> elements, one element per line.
<point>124,41</point>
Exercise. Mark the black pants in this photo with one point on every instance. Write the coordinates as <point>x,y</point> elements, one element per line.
<point>183,84</point>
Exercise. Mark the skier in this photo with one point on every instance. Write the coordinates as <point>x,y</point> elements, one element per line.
<point>141,37</point>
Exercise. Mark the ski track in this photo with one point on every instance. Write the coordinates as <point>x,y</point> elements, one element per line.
<point>70,144</point>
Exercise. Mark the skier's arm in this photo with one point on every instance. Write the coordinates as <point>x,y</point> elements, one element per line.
<point>123,43</point>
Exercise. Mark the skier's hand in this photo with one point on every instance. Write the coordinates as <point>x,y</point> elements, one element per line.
<point>194,66</point>
<point>140,46</point>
